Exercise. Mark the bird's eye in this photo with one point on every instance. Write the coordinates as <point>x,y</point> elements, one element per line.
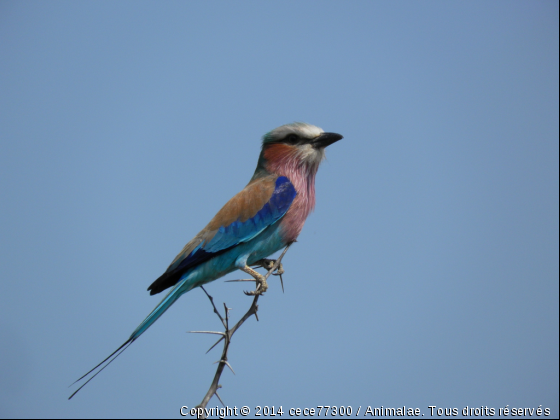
<point>291,138</point>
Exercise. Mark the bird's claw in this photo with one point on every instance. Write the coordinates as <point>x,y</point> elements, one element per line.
<point>267,264</point>
<point>262,287</point>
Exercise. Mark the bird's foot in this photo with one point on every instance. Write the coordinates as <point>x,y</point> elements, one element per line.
<point>268,264</point>
<point>262,286</point>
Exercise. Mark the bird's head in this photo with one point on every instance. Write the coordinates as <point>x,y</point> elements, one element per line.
<point>294,145</point>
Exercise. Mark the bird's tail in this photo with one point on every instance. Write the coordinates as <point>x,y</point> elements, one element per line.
<point>167,301</point>
<point>163,306</point>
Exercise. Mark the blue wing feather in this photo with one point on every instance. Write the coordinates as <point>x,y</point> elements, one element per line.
<point>238,231</point>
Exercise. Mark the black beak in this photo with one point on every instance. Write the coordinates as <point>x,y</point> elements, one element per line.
<point>325,139</point>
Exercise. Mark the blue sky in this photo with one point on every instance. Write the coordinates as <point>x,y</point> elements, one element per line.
<point>427,275</point>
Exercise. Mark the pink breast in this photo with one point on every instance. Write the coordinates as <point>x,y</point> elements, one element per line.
<point>283,160</point>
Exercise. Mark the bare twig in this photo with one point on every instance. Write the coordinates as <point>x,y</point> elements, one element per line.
<point>226,336</point>
<point>214,306</point>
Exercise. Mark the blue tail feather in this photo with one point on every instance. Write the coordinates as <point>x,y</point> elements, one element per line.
<point>158,311</point>
<point>166,302</point>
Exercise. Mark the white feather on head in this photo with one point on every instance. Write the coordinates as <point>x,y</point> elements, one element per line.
<point>301,129</point>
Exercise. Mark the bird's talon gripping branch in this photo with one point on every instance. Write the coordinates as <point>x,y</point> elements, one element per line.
<point>279,271</point>
<point>267,264</point>
<point>262,285</point>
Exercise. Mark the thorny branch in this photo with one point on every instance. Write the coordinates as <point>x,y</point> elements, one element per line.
<point>228,333</point>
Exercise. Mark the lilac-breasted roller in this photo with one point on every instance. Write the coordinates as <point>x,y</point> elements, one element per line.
<point>264,217</point>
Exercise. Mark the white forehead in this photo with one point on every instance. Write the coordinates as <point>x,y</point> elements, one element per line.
<point>301,129</point>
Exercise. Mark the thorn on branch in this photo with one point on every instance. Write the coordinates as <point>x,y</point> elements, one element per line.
<point>218,395</point>
<point>217,342</point>
<point>232,281</point>
<point>206,332</point>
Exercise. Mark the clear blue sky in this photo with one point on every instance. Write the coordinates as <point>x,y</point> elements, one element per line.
<point>428,274</point>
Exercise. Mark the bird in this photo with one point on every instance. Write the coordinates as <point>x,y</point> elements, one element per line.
<point>264,217</point>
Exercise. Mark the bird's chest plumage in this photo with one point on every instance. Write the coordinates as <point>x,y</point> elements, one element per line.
<point>294,219</point>
<point>300,167</point>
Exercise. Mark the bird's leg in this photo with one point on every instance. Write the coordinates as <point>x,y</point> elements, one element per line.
<point>262,286</point>
<point>268,264</point>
